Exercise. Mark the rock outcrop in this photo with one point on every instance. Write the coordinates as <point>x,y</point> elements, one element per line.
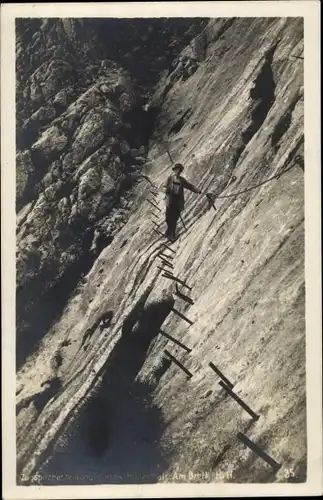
<point>96,392</point>
<point>82,136</point>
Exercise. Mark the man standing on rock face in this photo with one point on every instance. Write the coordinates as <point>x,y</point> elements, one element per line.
<point>174,197</point>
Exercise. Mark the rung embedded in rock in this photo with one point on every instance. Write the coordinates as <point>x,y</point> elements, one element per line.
<point>169,248</point>
<point>218,372</point>
<point>158,232</point>
<point>181,315</point>
<point>239,401</point>
<point>184,297</point>
<point>165,270</point>
<point>170,257</point>
<point>175,341</point>
<point>256,449</point>
<point>188,373</point>
<point>178,280</point>
<point>154,205</point>
<point>165,261</point>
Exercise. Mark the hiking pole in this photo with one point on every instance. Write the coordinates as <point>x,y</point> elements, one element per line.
<point>183,223</point>
<point>171,159</point>
<point>209,198</point>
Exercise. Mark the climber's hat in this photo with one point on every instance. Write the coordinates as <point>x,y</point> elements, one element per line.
<point>178,166</point>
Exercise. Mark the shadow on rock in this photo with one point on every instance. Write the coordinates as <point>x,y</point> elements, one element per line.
<point>36,314</point>
<point>116,438</point>
<point>41,399</point>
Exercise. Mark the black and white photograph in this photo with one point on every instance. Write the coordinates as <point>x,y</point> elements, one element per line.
<point>160,333</point>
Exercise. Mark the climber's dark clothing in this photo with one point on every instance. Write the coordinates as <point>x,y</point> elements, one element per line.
<point>173,212</point>
<point>175,190</point>
<point>175,200</point>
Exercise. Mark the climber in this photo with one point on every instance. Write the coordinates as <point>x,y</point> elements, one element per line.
<point>174,198</point>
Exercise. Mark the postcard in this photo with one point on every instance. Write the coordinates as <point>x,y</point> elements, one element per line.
<point>161,249</point>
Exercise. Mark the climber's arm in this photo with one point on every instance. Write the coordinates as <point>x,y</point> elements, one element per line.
<point>190,186</point>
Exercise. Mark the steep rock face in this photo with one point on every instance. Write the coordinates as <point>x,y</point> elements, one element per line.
<point>100,387</point>
<point>82,136</point>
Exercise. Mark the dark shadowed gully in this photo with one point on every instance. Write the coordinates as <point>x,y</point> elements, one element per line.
<point>119,429</point>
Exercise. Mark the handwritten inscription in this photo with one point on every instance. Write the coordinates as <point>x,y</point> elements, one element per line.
<point>189,476</point>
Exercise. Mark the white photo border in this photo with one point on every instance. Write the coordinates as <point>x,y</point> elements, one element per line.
<point>310,11</point>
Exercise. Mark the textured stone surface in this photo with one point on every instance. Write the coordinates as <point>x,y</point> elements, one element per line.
<point>234,118</point>
<point>80,139</point>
